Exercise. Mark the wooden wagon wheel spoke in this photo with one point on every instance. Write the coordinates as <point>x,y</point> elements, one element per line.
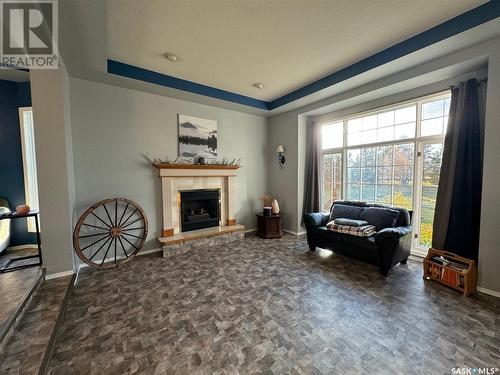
<point>129,242</point>
<point>123,214</point>
<point>128,229</point>
<point>109,217</point>
<point>94,226</point>
<point>129,216</point>
<point>119,217</point>
<point>106,253</point>
<point>93,243</point>
<point>131,235</point>
<point>99,249</point>
<point>116,216</point>
<point>102,221</point>
<point>123,247</point>
<point>129,224</point>
<point>93,235</point>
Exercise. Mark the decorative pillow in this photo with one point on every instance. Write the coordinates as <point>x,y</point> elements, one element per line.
<point>380,217</point>
<point>346,212</point>
<point>350,222</point>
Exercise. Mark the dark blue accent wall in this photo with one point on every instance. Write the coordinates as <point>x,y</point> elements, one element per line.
<point>12,96</point>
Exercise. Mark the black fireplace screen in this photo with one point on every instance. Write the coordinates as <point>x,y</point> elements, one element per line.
<point>199,209</point>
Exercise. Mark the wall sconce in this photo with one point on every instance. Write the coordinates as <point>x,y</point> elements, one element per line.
<point>280,150</point>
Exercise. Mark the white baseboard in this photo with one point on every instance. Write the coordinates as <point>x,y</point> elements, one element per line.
<point>490,292</point>
<point>19,247</point>
<point>250,230</point>
<point>294,233</point>
<point>59,274</point>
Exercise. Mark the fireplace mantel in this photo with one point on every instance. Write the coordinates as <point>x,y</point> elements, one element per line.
<point>196,170</point>
<point>193,166</point>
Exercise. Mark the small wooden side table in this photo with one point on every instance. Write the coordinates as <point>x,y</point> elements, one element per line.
<point>269,226</point>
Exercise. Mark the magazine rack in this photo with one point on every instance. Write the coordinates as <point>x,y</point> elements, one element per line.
<point>452,270</point>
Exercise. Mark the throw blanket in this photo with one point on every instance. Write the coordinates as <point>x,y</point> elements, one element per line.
<point>363,231</point>
<point>350,222</point>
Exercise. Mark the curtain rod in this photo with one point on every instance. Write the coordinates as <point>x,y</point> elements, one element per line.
<point>479,81</point>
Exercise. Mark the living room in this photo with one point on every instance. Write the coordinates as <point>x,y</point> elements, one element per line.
<point>320,145</point>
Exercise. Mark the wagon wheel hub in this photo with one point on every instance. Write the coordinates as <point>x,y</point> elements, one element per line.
<point>116,231</point>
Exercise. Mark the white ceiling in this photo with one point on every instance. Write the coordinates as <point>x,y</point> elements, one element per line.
<point>230,44</point>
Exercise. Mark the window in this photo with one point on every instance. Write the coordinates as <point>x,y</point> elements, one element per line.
<point>332,135</point>
<point>382,174</point>
<point>29,161</point>
<point>382,127</point>
<point>434,117</point>
<point>390,156</point>
<point>332,179</point>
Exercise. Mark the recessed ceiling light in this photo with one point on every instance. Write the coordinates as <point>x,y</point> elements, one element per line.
<point>259,85</point>
<point>170,56</point>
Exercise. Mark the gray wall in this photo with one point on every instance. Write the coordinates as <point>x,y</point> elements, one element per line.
<point>113,127</point>
<point>50,97</point>
<point>489,245</point>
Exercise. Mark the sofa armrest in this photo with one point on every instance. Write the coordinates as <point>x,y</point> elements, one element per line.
<point>316,219</point>
<point>396,232</point>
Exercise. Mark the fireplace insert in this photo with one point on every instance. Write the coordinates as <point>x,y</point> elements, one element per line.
<point>200,209</point>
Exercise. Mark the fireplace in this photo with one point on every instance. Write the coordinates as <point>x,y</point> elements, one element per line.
<point>200,209</point>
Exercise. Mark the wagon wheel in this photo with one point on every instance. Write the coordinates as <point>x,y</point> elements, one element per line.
<point>110,233</point>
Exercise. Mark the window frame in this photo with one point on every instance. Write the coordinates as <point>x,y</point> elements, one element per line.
<point>28,178</point>
<point>418,141</point>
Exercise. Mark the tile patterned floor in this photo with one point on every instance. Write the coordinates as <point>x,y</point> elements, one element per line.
<point>271,307</point>
<point>13,287</point>
<point>26,347</point>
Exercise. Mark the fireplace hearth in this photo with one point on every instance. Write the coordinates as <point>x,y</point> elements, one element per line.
<point>200,209</point>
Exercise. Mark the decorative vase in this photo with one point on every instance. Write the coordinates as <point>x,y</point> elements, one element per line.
<point>275,207</point>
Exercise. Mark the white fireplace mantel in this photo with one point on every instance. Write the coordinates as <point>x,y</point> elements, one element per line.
<point>182,177</point>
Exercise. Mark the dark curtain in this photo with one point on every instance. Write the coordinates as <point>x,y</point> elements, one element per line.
<point>312,188</point>
<point>458,203</point>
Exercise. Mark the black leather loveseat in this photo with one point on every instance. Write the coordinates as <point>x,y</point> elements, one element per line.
<point>388,247</point>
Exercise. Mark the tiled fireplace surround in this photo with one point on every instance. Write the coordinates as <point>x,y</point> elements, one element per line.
<point>177,178</point>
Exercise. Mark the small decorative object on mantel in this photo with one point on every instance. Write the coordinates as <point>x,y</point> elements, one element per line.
<point>223,163</point>
<point>452,270</point>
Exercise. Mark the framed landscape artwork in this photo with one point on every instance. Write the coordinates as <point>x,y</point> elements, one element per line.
<point>197,137</point>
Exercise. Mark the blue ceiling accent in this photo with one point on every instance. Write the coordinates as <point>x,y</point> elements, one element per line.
<point>130,71</point>
<point>456,25</point>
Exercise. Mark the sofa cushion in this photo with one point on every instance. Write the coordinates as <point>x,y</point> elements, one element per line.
<point>346,212</point>
<point>380,217</point>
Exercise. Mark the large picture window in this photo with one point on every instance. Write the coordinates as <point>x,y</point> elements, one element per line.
<point>390,156</point>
